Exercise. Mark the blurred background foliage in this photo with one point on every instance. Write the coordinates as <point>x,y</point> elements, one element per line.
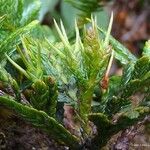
<point>65,11</point>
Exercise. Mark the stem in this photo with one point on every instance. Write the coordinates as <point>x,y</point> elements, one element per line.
<point>85,107</point>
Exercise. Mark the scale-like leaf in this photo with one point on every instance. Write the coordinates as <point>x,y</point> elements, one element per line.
<point>13,9</point>
<point>31,12</point>
<point>86,8</point>
<point>2,18</point>
<point>146,50</point>
<point>135,86</point>
<point>10,42</point>
<point>127,72</point>
<point>121,52</point>
<point>17,14</point>
<point>18,21</point>
<point>141,67</point>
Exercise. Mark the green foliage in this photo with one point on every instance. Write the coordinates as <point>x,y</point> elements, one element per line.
<point>9,82</point>
<point>39,95</point>
<point>8,43</point>
<point>127,70</point>
<point>86,7</point>
<point>121,52</point>
<point>135,79</point>
<point>32,62</point>
<point>75,61</point>
<point>141,68</point>
<point>43,94</point>
<point>106,128</point>
<point>17,20</point>
<point>73,71</point>
<point>13,9</point>
<point>139,77</point>
<point>31,12</point>
<point>146,51</point>
<point>17,13</point>
<point>2,18</point>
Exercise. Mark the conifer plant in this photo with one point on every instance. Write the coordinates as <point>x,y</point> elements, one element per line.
<point>75,72</point>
